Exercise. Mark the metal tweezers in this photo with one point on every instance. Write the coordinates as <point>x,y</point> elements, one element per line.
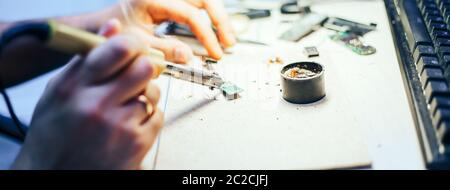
<point>198,76</point>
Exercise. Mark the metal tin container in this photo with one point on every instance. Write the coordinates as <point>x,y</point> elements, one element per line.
<point>303,90</point>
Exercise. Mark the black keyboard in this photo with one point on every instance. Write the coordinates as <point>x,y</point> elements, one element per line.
<point>422,36</point>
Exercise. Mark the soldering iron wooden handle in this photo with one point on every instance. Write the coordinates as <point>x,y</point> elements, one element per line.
<point>76,41</point>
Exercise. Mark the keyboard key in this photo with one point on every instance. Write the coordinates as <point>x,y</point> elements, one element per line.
<point>439,102</point>
<point>435,19</point>
<point>446,61</point>
<point>427,8</point>
<point>446,17</point>
<point>441,115</point>
<point>414,26</point>
<point>441,34</point>
<point>427,62</point>
<point>443,3</point>
<point>430,5</point>
<point>444,132</point>
<point>432,12</point>
<point>442,42</point>
<point>424,50</point>
<point>438,26</point>
<point>444,50</point>
<point>431,74</point>
<point>445,9</point>
<point>435,88</point>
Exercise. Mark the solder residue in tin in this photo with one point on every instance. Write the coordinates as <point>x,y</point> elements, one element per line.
<point>300,73</point>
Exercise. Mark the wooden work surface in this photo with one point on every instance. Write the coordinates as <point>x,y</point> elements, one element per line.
<point>260,130</point>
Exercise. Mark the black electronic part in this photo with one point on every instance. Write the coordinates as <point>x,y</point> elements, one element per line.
<point>343,25</point>
<point>293,8</point>
<point>257,13</point>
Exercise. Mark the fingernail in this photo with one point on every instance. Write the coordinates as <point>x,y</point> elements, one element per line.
<point>218,54</point>
<point>179,55</point>
<point>153,69</point>
<point>112,27</point>
<point>231,40</point>
<point>231,36</point>
<point>182,55</point>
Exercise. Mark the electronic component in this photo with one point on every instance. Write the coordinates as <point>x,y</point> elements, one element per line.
<point>294,8</point>
<point>173,28</point>
<point>303,26</point>
<point>342,25</point>
<point>230,90</point>
<point>353,42</point>
<point>208,63</point>
<point>257,13</point>
<point>249,13</point>
<point>311,52</point>
<point>208,60</point>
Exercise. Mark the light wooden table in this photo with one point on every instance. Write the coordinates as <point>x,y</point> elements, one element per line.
<point>376,96</point>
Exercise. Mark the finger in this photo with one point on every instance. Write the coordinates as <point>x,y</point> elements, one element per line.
<point>183,12</point>
<point>153,126</point>
<point>136,110</point>
<point>217,13</point>
<point>110,58</point>
<point>111,28</point>
<point>68,74</point>
<point>131,82</point>
<point>173,49</point>
<point>153,94</point>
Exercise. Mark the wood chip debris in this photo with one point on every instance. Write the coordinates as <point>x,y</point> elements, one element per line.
<point>276,60</point>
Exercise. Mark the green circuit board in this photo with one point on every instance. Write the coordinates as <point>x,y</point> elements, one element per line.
<point>353,42</point>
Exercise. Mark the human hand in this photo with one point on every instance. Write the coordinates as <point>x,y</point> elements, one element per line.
<point>189,12</point>
<point>91,115</point>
